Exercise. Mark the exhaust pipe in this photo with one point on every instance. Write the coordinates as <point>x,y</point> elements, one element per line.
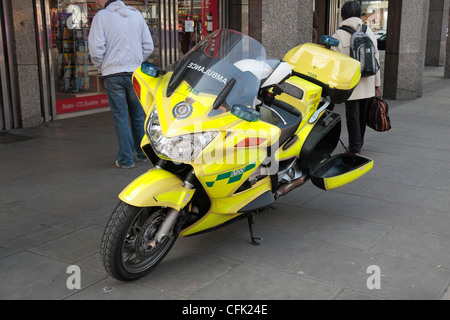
<point>288,187</point>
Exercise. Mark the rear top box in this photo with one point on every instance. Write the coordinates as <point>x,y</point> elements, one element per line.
<point>336,73</point>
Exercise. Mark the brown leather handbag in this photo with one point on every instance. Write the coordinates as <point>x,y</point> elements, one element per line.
<point>378,113</point>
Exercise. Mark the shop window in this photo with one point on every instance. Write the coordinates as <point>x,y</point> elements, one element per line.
<point>374,15</point>
<point>78,84</point>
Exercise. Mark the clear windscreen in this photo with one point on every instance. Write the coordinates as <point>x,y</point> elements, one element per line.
<point>214,62</point>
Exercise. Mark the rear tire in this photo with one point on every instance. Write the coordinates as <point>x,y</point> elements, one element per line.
<point>128,249</point>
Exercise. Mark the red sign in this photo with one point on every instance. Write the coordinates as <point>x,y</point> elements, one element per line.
<point>210,16</point>
<point>81,104</point>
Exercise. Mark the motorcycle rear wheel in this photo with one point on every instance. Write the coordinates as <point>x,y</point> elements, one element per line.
<point>128,249</point>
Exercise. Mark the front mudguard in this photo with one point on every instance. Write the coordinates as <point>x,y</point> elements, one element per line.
<point>157,188</point>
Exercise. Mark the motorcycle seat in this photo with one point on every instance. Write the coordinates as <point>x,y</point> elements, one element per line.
<point>288,129</point>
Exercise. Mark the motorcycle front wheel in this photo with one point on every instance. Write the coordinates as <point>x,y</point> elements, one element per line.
<point>128,249</point>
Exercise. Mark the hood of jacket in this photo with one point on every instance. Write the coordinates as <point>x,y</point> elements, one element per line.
<point>354,22</point>
<point>120,7</point>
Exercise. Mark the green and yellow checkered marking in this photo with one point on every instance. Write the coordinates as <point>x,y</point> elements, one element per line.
<point>232,176</point>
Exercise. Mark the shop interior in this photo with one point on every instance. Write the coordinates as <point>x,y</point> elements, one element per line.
<point>74,74</point>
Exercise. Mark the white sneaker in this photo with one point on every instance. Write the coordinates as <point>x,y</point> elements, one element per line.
<point>123,166</point>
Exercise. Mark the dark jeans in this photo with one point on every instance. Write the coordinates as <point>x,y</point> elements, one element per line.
<point>356,115</point>
<point>124,103</point>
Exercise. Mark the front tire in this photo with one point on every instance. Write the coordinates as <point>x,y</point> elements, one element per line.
<point>128,249</point>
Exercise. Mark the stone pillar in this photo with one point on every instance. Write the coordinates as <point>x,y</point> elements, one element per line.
<point>405,49</point>
<point>27,62</point>
<point>437,31</point>
<point>447,60</point>
<point>285,24</point>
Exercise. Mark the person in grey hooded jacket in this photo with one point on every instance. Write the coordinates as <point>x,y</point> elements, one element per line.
<point>119,41</point>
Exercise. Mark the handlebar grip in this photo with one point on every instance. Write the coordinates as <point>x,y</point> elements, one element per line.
<point>286,107</point>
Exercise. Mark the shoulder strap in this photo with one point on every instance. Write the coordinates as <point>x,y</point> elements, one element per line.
<point>348,29</point>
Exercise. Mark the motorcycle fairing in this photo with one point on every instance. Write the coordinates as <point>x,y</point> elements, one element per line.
<point>158,188</point>
<point>227,208</point>
<point>198,80</point>
<point>224,165</point>
<point>197,121</point>
<point>148,87</point>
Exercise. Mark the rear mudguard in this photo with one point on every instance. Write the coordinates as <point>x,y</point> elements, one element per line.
<point>157,188</point>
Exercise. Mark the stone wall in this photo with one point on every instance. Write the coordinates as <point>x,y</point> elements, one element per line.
<point>405,49</point>
<point>285,24</point>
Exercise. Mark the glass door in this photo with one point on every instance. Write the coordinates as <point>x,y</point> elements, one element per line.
<point>196,19</point>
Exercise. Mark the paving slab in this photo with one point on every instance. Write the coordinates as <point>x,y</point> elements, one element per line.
<point>350,232</point>
<point>425,248</point>
<point>339,203</point>
<point>424,220</point>
<point>399,279</point>
<point>185,271</point>
<point>410,195</point>
<point>278,250</point>
<point>27,275</point>
<point>250,282</point>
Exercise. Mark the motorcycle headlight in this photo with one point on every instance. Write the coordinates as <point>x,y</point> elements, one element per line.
<point>182,148</point>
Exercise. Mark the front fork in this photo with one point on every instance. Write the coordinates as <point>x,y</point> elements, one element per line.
<point>167,225</point>
<point>173,215</point>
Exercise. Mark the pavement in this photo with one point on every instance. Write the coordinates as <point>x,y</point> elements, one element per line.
<point>384,236</point>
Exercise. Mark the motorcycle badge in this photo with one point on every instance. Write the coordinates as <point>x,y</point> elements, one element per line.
<point>183,110</point>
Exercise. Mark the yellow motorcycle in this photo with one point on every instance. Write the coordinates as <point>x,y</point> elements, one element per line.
<point>229,131</point>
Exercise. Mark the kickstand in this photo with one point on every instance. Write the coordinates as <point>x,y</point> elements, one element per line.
<point>251,221</point>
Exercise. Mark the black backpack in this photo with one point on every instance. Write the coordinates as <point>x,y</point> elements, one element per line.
<point>363,50</point>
